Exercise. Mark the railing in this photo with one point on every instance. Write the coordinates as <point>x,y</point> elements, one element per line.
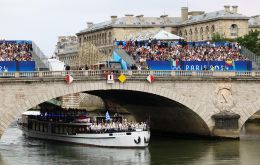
<point>253,57</point>
<point>134,74</point>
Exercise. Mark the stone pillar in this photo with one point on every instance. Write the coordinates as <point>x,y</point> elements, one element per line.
<point>226,125</point>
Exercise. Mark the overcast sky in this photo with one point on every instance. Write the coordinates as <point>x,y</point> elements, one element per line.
<point>44,20</point>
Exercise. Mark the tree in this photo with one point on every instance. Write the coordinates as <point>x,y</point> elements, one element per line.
<point>216,37</point>
<point>251,41</point>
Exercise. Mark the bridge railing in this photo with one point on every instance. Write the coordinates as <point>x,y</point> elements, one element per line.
<point>131,74</point>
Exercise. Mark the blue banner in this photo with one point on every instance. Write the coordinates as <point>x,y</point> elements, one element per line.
<point>162,65</point>
<point>201,65</point>
<point>7,66</point>
<point>16,66</point>
<point>218,65</point>
<point>26,66</point>
<point>16,41</point>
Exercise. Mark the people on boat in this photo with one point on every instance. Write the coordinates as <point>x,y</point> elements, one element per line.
<point>72,122</point>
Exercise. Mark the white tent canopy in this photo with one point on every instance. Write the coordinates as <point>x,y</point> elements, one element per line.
<point>158,35</point>
<point>164,35</point>
<point>56,65</point>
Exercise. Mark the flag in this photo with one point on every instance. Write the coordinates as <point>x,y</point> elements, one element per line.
<point>175,63</point>
<point>107,116</point>
<point>150,78</point>
<point>69,79</point>
<point>229,62</point>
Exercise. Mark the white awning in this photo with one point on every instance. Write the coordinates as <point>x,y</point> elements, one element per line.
<point>32,113</point>
<point>158,35</point>
<point>164,35</point>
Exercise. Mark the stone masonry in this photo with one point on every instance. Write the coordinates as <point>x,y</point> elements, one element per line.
<point>200,96</point>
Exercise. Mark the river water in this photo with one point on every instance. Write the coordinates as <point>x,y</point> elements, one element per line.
<point>17,150</point>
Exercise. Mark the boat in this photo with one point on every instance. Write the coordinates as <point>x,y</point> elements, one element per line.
<point>102,131</point>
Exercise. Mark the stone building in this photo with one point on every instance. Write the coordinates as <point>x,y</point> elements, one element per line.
<point>200,26</point>
<point>66,50</point>
<point>96,41</point>
<point>254,23</point>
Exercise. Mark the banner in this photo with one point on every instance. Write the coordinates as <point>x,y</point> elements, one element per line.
<point>228,65</point>
<point>16,66</point>
<point>163,65</point>
<point>218,65</point>
<point>26,66</point>
<point>8,66</point>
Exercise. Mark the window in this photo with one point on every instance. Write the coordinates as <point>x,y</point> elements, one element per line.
<point>234,30</point>
<point>201,33</point>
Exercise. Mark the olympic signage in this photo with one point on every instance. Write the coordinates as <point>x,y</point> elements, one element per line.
<point>14,66</point>
<point>218,65</point>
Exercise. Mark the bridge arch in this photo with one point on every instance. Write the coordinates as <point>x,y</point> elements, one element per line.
<point>44,93</point>
<point>252,110</point>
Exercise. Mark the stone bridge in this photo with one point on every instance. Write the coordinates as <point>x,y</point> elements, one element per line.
<point>177,101</point>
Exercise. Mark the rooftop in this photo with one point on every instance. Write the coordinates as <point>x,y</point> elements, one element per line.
<point>254,21</point>
<point>222,14</point>
<point>165,21</point>
<point>131,21</point>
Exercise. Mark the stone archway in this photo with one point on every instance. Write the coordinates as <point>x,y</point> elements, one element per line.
<point>40,92</point>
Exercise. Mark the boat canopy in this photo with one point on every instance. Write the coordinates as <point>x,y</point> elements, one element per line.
<point>32,113</point>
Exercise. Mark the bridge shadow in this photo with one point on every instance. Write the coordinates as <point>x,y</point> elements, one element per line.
<point>166,116</point>
<point>251,128</point>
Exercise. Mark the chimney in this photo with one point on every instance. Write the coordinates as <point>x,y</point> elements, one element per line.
<point>140,16</point>
<point>129,15</point>
<point>90,24</point>
<point>163,16</point>
<point>195,13</point>
<point>227,8</point>
<point>184,13</point>
<point>113,18</point>
<point>129,18</point>
<point>234,9</point>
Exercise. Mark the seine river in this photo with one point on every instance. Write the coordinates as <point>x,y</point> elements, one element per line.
<point>17,150</point>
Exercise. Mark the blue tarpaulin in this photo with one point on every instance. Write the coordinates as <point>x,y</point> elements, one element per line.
<point>118,58</point>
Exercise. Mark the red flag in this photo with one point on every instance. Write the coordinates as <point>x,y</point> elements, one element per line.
<point>150,78</point>
<point>69,79</point>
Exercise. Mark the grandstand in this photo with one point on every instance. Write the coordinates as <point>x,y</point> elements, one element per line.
<point>179,55</point>
<point>21,55</point>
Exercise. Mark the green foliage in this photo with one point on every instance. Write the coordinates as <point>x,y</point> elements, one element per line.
<point>251,41</point>
<point>216,37</point>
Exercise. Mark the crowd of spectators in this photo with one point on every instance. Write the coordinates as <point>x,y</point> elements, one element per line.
<point>15,51</point>
<point>143,51</point>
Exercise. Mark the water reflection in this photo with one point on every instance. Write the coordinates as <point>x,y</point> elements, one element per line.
<point>16,149</point>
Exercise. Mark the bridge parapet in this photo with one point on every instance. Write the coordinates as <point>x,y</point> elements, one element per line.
<point>131,73</point>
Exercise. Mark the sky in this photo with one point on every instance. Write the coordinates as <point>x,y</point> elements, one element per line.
<point>44,20</point>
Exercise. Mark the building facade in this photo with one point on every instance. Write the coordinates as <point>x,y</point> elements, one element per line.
<point>192,26</point>
<point>66,50</point>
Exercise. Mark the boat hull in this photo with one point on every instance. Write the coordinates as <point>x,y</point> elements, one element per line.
<point>135,139</point>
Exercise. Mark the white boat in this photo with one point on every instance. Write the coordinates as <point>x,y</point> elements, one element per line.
<point>87,133</point>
